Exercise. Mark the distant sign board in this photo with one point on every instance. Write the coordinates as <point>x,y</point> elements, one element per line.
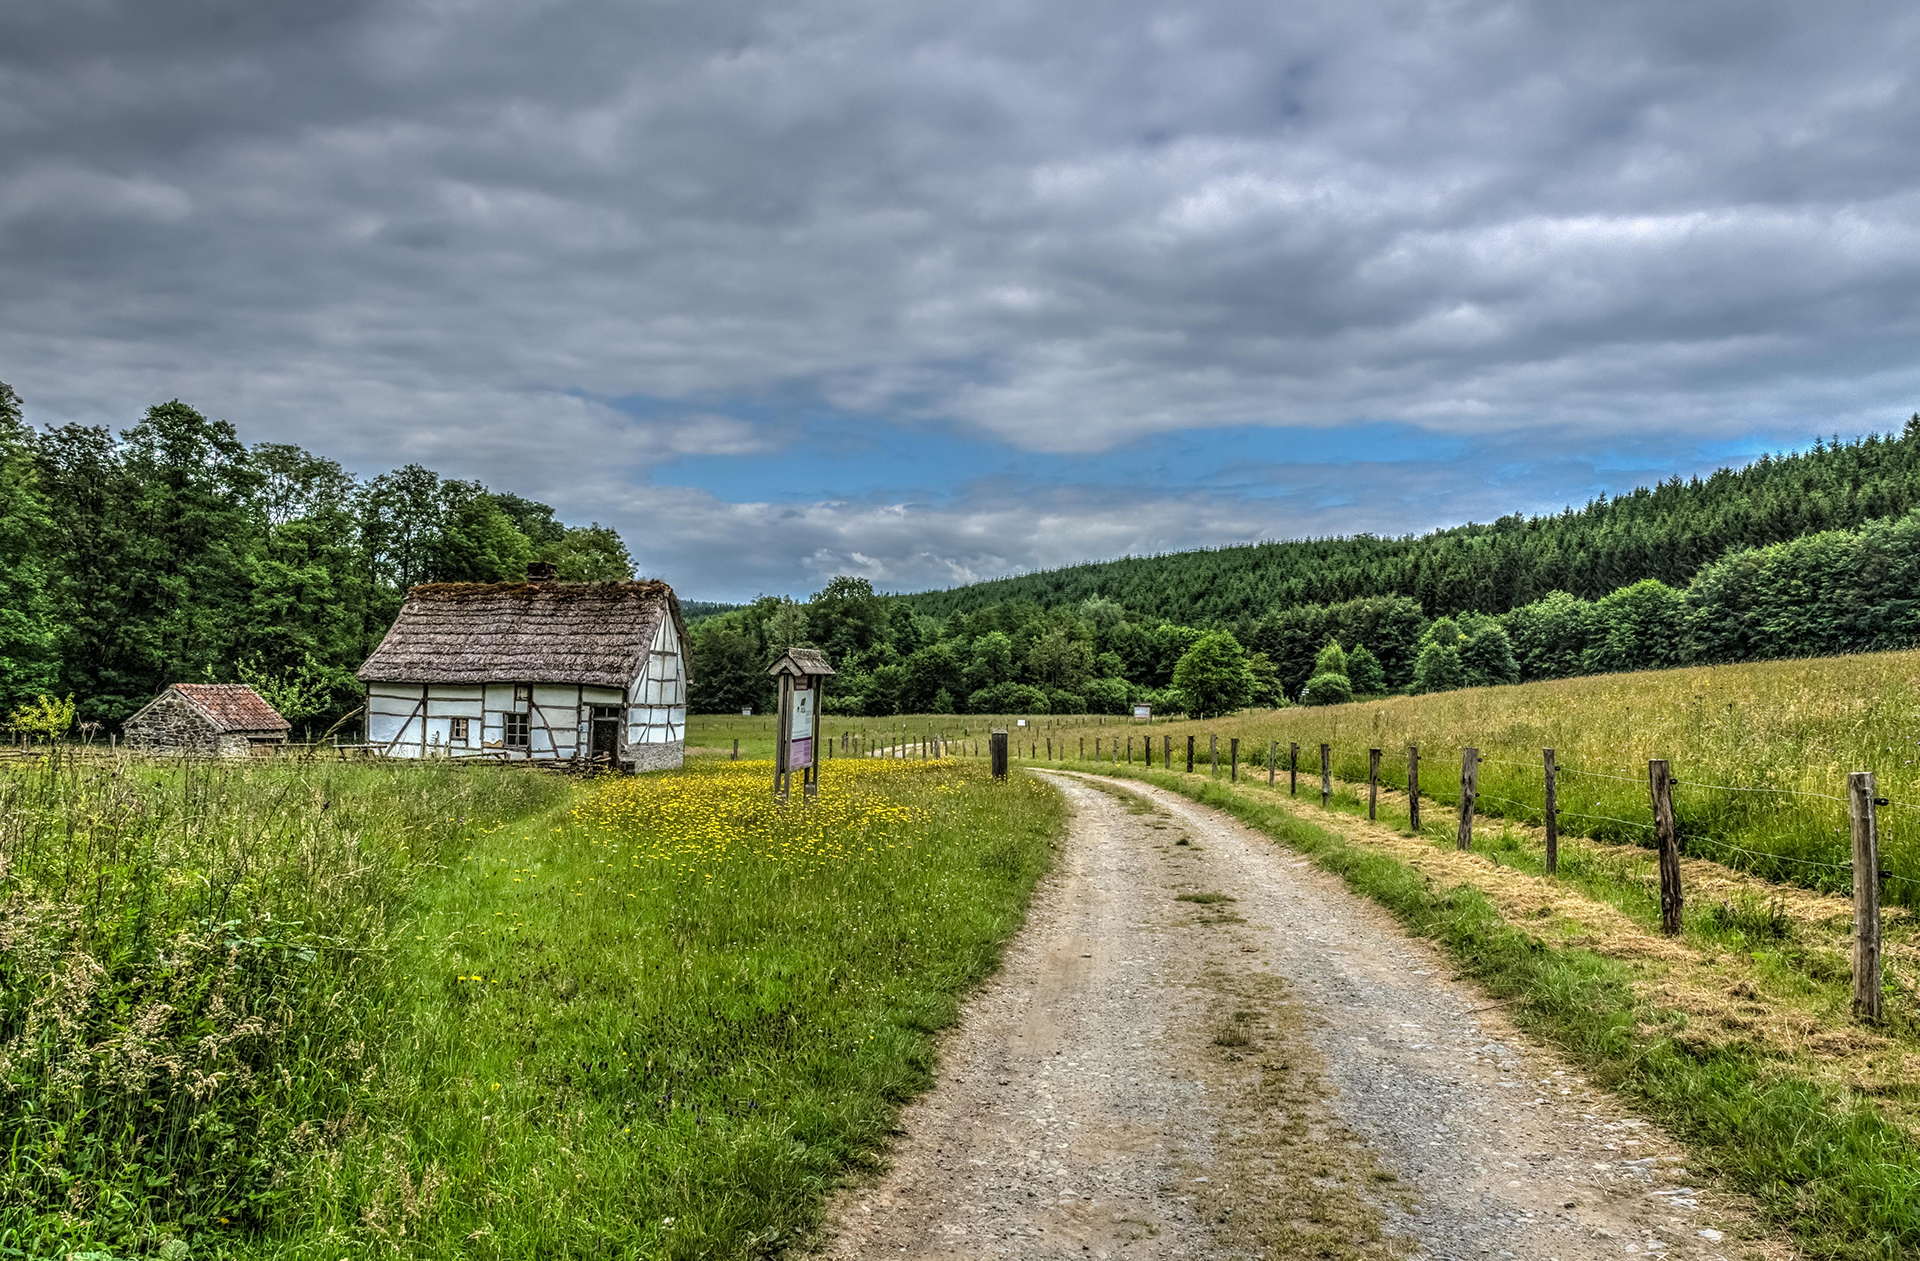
<point>1143,711</point>
<point>800,750</point>
<point>1021,721</point>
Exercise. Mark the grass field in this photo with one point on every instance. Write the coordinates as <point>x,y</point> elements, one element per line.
<point>474,1012</point>
<point>1760,751</point>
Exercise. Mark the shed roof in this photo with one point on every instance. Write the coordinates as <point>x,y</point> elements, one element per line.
<point>524,632</point>
<point>231,706</point>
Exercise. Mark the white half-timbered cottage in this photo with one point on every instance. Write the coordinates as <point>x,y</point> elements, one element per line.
<point>539,671</point>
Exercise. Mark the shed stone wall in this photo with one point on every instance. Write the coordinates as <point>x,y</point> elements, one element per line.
<point>173,727</point>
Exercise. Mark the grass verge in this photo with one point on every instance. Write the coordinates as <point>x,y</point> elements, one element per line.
<point>1821,1161</point>
<point>664,1020</point>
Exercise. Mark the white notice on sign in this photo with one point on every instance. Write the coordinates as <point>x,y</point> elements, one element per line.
<point>1143,711</point>
<point>803,715</point>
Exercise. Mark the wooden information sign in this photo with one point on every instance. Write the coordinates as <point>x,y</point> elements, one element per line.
<point>803,673</point>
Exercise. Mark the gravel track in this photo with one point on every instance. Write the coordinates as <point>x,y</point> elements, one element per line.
<point>1283,1074</point>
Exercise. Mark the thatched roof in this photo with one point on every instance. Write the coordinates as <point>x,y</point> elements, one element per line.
<point>801,661</point>
<point>524,632</point>
<point>230,707</point>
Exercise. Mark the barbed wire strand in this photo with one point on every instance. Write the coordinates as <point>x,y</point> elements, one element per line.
<point>1625,779</point>
<point>1575,814</point>
<point>1731,788</point>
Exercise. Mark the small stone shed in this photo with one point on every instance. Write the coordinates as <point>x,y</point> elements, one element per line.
<point>206,720</point>
<point>533,671</point>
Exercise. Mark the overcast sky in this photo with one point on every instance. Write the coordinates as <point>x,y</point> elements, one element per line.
<point>937,292</point>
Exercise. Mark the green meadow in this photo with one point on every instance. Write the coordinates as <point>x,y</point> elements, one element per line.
<point>312,1010</point>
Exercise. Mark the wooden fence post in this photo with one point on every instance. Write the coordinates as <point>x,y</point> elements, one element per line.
<point>1660,784</point>
<point>1233,761</point>
<point>1189,755</point>
<point>1552,812</point>
<point>1866,897</point>
<point>997,749</point>
<point>1273,761</point>
<point>1413,788</point>
<point>1373,784</point>
<point>1083,748</point>
<point>736,747</point>
<point>1469,789</point>
<point>1326,774</point>
<point>1293,770</point>
<point>1129,750</point>
<point>1166,753</point>
<point>1213,754</point>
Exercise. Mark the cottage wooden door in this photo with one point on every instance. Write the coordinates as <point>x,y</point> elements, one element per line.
<point>606,733</point>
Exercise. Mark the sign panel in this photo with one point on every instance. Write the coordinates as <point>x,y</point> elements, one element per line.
<point>800,749</point>
<point>1143,711</point>
<point>746,711</point>
<point>1022,722</point>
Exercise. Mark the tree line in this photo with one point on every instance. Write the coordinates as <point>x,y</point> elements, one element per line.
<point>1669,532</point>
<point>1099,638</point>
<point>172,552</point>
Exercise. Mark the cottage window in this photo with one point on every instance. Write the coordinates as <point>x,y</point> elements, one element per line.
<point>459,734</point>
<point>514,730</point>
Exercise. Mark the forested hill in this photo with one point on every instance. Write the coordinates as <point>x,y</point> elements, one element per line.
<point>1666,532</point>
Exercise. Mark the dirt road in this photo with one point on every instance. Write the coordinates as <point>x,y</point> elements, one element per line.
<point>1202,1046</point>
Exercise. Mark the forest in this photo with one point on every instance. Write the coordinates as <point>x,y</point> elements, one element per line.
<point>172,552</point>
<point>1811,554</point>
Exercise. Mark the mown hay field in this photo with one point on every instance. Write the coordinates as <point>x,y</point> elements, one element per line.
<point>311,1011</point>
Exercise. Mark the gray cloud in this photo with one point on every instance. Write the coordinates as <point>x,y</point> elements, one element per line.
<point>472,234</point>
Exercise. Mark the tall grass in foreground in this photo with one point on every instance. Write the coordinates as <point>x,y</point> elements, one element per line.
<point>1761,752</point>
<point>661,1021</point>
<point>192,968</point>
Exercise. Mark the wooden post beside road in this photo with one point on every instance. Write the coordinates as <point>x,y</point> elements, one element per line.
<point>1413,788</point>
<point>1469,789</point>
<point>1866,896</point>
<point>1552,811</point>
<point>1213,755</point>
<point>1293,771</point>
<point>1660,785</point>
<point>1373,784</point>
<point>1189,755</point>
<point>1273,761</point>
<point>1326,774</point>
<point>997,745</point>
<point>1233,761</point>
<point>1166,752</point>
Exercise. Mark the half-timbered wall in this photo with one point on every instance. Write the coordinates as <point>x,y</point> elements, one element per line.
<point>657,713</point>
<point>419,720</point>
